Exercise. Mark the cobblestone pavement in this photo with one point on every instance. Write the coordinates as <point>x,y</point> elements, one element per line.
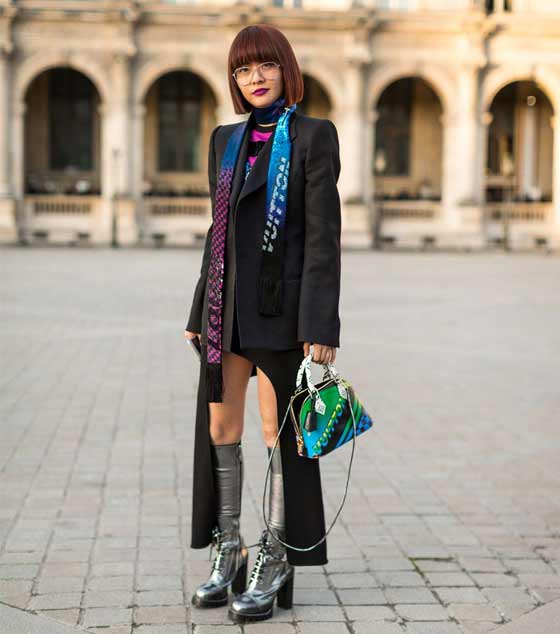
<point>452,523</point>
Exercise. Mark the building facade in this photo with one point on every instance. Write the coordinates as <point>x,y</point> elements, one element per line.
<point>447,113</point>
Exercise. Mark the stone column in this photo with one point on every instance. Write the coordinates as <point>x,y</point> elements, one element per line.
<point>18,148</point>
<point>466,133</point>
<point>116,164</point>
<point>18,166</point>
<point>350,124</point>
<point>368,157</point>
<point>137,159</point>
<point>459,183</point>
<point>102,227</point>
<point>450,171</point>
<point>555,123</point>
<point>8,229</point>
<point>5,188</point>
<point>483,128</point>
<point>116,168</point>
<point>369,170</point>
<point>528,147</point>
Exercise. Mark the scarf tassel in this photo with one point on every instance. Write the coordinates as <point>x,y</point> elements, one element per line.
<point>270,296</point>
<point>214,382</point>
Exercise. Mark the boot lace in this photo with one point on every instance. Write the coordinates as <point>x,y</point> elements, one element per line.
<point>222,548</point>
<point>217,541</point>
<point>265,552</point>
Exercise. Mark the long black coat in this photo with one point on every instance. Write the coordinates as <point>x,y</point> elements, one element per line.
<point>311,279</point>
<point>311,265</point>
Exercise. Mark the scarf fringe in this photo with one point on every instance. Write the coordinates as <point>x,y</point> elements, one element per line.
<point>270,296</point>
<point>214,383</point>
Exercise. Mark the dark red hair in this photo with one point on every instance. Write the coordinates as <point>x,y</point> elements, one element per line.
<point>264,43</point>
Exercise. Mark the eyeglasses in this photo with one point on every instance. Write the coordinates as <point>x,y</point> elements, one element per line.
<point>244,75</point>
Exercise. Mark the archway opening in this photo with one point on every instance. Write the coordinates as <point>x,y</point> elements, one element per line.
<point>62,137</point>
<point>180,116</point>
<point>520,145</point>
<point>407,156</point>
<point>316,101</point>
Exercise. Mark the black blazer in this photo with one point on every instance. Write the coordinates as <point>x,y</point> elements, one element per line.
<point>311,266</point>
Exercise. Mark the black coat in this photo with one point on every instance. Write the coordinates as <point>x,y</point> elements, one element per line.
<point>311,278</point>
<point>311,264</point>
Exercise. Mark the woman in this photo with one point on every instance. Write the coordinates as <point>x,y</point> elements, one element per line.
<point>268,290</point>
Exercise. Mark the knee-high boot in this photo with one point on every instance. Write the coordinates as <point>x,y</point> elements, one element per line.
<point>229,566</point>
<point>272,576</point>
<point>276,513</point>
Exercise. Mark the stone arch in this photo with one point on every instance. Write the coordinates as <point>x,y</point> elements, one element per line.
<point>328,82</point>
<point>154,69</point>
<point>435,77</point>
<point>414,165</point>
<point>499,78</point>
<point>41,62</point>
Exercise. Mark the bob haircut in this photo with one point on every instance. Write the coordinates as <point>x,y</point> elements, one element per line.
<point>264,43</point>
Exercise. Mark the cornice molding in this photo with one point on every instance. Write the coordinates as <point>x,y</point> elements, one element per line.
<point>92,11</point>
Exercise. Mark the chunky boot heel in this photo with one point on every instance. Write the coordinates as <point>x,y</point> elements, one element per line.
<point>285,594</point>
<point>240,582</point>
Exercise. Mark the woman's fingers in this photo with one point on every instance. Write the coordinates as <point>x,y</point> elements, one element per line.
<point>321,353</point>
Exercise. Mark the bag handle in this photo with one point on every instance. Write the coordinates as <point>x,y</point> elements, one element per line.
<point>305,365</point>
<point>330,370</point>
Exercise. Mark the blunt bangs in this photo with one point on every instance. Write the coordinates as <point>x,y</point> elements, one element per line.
<point>252,45</point>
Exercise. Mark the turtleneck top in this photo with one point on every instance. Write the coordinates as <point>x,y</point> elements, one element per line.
<point>258,136</point>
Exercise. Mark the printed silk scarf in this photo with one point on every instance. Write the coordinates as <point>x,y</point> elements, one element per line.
<point>270,276</point>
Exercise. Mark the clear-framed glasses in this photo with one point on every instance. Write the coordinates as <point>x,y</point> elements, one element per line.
<point>244,75</point>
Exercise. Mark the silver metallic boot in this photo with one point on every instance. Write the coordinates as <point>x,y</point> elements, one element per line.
<point>272,576</point>
<point>230,563</point>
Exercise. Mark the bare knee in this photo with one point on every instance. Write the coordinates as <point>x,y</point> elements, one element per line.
<point>269,428</point>
<point>225,432</point>
<point>226,423</point>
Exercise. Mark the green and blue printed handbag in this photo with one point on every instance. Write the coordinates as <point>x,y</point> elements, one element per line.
<point>325,416</point>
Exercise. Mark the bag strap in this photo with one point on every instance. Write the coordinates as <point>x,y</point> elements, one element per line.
<point>306,364</point>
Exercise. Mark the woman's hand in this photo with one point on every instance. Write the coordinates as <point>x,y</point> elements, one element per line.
<point>321,353</point>
<point>192,335</point>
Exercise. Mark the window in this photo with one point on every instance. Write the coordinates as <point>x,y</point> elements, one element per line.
<point>179,99</point>
<point>392,133</point>
<point>71,99</point>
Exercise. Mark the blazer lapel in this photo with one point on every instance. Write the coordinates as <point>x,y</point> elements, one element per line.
<point>259,173</point>
<point>239,171</point>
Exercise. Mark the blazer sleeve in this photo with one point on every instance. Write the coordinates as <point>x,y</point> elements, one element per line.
<point>194,322</point>
<point>318,318</point>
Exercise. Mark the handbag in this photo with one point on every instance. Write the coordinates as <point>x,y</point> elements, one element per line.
<point>325,416</point>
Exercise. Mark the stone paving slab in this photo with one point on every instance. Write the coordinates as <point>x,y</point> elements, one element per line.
<point>451,521</point>
<point>543,620</point>
<point>17,621</point>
